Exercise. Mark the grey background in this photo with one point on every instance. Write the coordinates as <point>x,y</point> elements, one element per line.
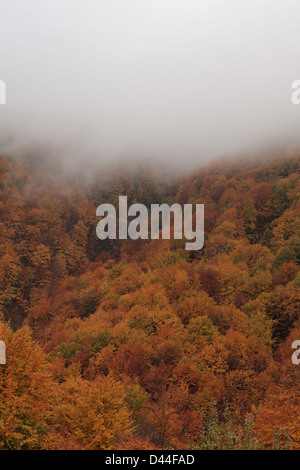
<point>180,81</point>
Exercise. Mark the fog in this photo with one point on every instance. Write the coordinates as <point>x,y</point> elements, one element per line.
<point>178,81</point>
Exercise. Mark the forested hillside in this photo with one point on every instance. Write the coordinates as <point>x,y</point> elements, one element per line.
<point>141,344</point>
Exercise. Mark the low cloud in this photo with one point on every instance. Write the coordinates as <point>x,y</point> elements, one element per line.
<point>179,81</point>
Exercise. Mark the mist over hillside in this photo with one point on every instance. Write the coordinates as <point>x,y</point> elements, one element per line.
<point>174,81</point>
<point>125,342</point>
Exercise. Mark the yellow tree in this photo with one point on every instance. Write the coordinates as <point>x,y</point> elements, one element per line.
<point>25,391</point>
<point>95,413</point>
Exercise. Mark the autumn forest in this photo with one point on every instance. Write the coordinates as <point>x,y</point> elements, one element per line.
<point>141,344</point>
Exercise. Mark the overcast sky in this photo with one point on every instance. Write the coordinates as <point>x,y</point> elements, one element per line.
<point>176,80</point>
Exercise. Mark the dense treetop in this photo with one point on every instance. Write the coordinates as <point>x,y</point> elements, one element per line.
<point>142,344</point>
